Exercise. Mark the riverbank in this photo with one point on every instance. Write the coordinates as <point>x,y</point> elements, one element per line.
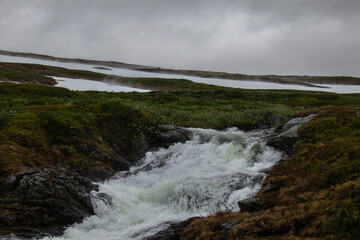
<point>313,194</point>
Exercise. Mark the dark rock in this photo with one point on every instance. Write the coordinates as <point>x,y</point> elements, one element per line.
<point>107,199</point>
<point>227,227</point>
<point>139,148</point>
<point>92,151</point>
<point>289,134</point>
<point>44,201</point>
<point>296,123</point>
<point>172,134</point>
<point>126,158</point>
<point>173,232</point>
<point>251,205</point>
<point>100,174</point>
<point>117,149</point>
<point>274,120</point>
<point>266,170</point>
<point>232,224</point>
<point>270,187</point>
<point>83,147</point>
<point>121,164</point>
<point>100,155</point>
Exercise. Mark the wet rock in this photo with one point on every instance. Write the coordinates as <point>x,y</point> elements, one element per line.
<point>168,136</point>
<point>92,151</point>
<point>274,120</point>
<point>139,148</point>
<point>83,147</point>
<point>289,134</point>
<point>121,164</point>
<point>251,205</point>
<point>172,134</point>
<point>43,201</point>
<point>100,174</point>
<point>173,232</point>
<point>107,199</point>
<point>100,155</point>
<point>270,187</point>
<point>232,224</point>
<point>266,170</point>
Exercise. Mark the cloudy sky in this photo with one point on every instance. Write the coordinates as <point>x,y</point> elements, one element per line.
<point>315,37</point>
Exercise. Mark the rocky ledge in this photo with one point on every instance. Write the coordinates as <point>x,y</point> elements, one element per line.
<point>288,134</point>
<point>40,201</point>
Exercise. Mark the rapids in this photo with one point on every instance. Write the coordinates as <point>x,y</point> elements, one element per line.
<point>210,172</point>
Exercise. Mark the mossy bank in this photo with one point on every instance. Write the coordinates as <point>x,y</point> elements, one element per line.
<point>314,194</point>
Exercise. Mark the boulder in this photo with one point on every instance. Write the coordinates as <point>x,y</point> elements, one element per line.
<point>139,147</point>
<point>274,120</point>
<point>251,205</point>
<point>288,134</point>
<point>172,232</point>
<point>121,164</point>
<point>271,187</point>
<point>172,134</point>
<point>43,201</point>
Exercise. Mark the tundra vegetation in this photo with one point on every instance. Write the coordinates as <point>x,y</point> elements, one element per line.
<point>315,192</point>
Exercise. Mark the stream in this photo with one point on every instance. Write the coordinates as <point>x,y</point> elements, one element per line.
<point>210,172</point>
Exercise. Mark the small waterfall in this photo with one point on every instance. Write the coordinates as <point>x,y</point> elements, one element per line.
<point>211,172</point>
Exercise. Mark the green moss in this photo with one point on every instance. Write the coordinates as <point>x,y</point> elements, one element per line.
<point>126,122</point>
<point>25,130</point>
<point>18,75</point>
<point>332,146</point>
<point>63,121</point>
<point>3,137</point>
<point>38,74</point>
<point>4,119</point>
<point>346,220</point>
<point>320,129</point>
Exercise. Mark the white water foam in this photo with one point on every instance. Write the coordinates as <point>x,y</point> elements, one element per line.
<point>211,172</point>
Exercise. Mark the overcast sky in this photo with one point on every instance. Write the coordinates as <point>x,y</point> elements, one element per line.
<point>315,37</point>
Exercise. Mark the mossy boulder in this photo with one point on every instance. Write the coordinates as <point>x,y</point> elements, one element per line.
<point>288,134</point>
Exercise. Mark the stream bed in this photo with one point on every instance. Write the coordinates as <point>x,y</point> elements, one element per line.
<point>211,172</point>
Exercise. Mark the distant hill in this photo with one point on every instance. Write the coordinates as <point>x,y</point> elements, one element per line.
<point>310,81</point>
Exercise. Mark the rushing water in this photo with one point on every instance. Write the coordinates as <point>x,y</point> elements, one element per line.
<point>210,172</point>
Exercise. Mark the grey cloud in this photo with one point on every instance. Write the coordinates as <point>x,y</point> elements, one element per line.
<point>319,37</point>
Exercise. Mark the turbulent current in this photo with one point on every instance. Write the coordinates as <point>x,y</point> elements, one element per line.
<point>210,172</point>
